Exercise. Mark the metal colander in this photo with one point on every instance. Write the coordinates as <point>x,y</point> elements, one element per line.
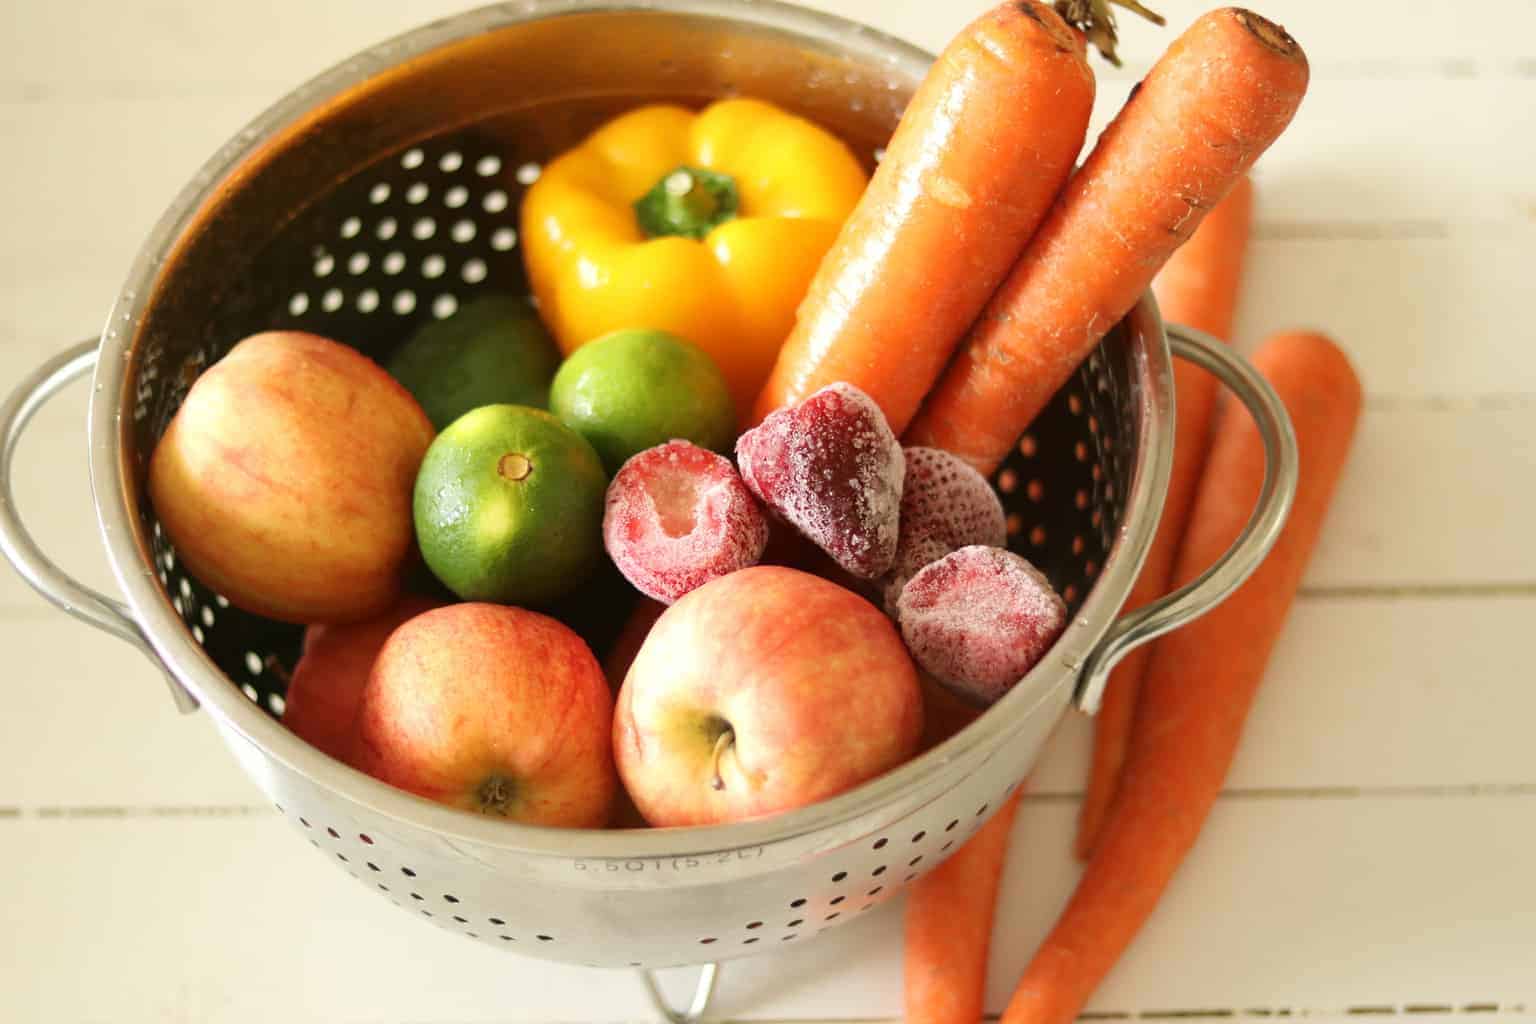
<point>384,194</point>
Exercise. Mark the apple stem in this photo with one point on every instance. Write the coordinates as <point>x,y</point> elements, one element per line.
<point>722,743</point>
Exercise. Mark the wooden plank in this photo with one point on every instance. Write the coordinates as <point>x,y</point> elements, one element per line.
<point>1375,696</point>
<point>1415,676</point>
<point>89,725</point>
<point>1416,507</point>
<point>1422,318</point>
<point>77,48</point>
<point>1295,905</point>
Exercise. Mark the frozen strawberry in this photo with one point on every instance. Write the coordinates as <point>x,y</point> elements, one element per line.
<point>945,505</point>
<point>978,619</point>
<point>833,470</point>
<point>677,517</point>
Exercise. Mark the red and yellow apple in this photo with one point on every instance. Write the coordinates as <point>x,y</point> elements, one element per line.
<point>285,479</point>
<point>492,709</point>
<point>762,691</point>
<point>327,683</point>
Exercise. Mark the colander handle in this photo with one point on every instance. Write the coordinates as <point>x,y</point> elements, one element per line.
<point>1214,585</point>
<point>17,544</point>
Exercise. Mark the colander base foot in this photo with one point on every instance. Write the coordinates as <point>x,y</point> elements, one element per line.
<point>703,992</point>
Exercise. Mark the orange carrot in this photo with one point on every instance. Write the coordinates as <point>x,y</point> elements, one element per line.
<point>1221,94</point>
<point>981,151</point>
<point>1197,288</point>
<point>1202,679</point>
<point>949,927</point>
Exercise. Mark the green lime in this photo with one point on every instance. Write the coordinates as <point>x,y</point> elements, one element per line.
<point>634,389</point>
<point>492,350</point>
<point>509,506</point>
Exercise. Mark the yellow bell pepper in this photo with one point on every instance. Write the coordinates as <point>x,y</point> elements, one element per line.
<point>706,224</point>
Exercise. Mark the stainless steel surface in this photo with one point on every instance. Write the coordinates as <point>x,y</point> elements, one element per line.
<point>35,567</point>
<point>348,208</point>
<point>1270,511</point>
<point>698,1006</point>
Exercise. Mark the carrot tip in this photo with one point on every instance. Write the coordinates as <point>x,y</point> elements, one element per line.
<point>1267,32</point>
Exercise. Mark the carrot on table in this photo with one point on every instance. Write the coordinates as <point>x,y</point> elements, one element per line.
<point>949,927</point>
<point>981,151</point>
<point>1217,99</point>
<point>1198,288</point>
<point>1201,681</point>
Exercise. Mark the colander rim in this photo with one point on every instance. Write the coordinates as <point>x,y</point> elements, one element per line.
<point>129,553</point>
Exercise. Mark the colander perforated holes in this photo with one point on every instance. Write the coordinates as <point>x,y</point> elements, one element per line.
<point>832,916</point>
<point>367,300</point>
<point>1069,593</point>
<point>708,941</point>
<point>304,822</point>
<point>462,232</point>
<point>839,876</point>
<point>946,846</point>
<point>1075,404</point>
<point>506,938</point>
<point>797,904</point>
<point>404,302</point>
<point>418,897</point>
<point>394,262</point>
<point>412,159</point>
<point>461,920</point>
<point>915,861</point>
<point>275,701</point>
<point>796,923</point>
<point>1037,537</point>
<point>332,299</point>
<point>449,898</point>
<point>876,891</point>
<point>445,305</point>
<point>417,193</point>
<point>1035,491</point>
<point>357,263</point>
<point>498,922</point>
<point>433,266</point>
<point>324,265</point>
<point>1027,446</point>
<point>372,866</point>
<point>250,691</point>
<point>837,899</point>
<point>423,229</point>
<point>982,810</point>
<point>528,173</point>
<point>387,228</point>
<point>880,843</point>
<point>426,913</point>
<point>919,837</point>
<point>408,873</point>
<point>384,888</point>
<point>503,239</point>
<point>342,857</point>
<point>754,924</point>
<point>456,197</point>
<point>351,227</point>
<point>545,938</point>
<point>495,201</point>
<point>451,161</point>
<point>298,305</point>
<point>488,165</point>
<point>749,941</point>
<point>878,871</point>
<point>332,833</point>
<point>474,271</point>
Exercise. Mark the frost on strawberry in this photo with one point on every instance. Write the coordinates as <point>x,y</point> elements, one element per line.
<point>978,619</point>
<point>945,505</point>
<point>831,468</point>
<point>678,516</point>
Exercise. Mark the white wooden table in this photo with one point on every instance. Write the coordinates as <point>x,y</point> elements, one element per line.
<point>1373,853</point>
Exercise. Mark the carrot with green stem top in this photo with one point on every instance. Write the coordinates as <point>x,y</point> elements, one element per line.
<point>1218,98</point>
<point>1202,679</point>
<point>1198,288</point>
<point>981,151</point>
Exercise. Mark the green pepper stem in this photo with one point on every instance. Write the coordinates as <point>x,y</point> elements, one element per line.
<point>687,201</point>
